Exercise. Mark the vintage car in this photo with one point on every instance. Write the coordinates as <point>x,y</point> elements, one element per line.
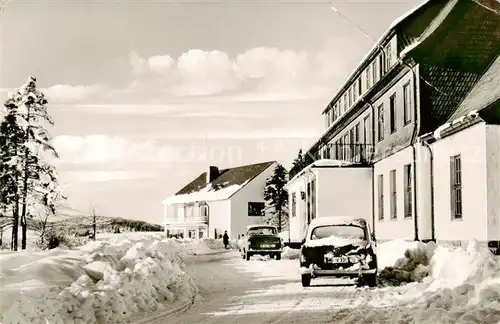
<point>263,240</point>
<point>338,247</point>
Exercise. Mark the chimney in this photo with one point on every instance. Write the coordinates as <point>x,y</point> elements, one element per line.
<point>212,173</point>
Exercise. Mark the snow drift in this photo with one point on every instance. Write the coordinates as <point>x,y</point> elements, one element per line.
<point>463,286</point>
<point>103,282</point>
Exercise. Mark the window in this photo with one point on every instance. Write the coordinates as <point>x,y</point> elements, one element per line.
<point>381,197</point>
<point>408,192</point>
<point>381,65</point>
<point>368,77</point>
<point>374,71</point>
<point>351,136</point>
<point>262,230</point>
<point>392,113</point>
<point>406,103</point>
<point>360,87</point>
<point>337,150</point>
<point>394,208</point>
<point>380,128</point>
<point>345,102</point>
<point>354,91</point>
<point>342,231</point>
<point>346,146</point>
<point>366,129</point>
<point>256,208</point>
<point>456,186</point>
<point>388,57</point>
<point>349,98</point>
<point>313,199</point>
<point>356,133</point>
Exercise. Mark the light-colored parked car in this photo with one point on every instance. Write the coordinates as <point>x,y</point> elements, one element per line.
<point>338,247</point>
<point>262,240</point>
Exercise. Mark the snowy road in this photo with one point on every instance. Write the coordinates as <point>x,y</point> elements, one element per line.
<point>236,291</point>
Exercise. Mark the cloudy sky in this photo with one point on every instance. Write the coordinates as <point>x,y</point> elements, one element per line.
<point>146,94</point>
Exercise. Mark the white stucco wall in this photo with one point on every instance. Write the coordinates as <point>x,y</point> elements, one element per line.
<point>471,144</point>
<point>219,214</point>
<point>251,192</point>
<point>344,192</point>
<point>424,194</point>
<point>297,223</point>
<point>400,228</point>
<point>493,176</point>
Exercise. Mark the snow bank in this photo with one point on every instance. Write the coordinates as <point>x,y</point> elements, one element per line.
<point>102,282</point>
<point>463,286</point>
<point>289,253</point>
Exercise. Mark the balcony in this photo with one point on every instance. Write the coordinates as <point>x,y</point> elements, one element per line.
<point>187,220</point>
<point>356,153</point>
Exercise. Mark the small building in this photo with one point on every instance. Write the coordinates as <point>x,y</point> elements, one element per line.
<point>422,110</point>
<point>219,200</point>
<point>313,193</point>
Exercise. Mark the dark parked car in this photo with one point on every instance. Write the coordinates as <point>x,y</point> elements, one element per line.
<point>338,247</point>
<point>263,240</point>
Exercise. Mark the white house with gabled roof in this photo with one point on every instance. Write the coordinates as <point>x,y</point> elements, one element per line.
<point>219,200</point>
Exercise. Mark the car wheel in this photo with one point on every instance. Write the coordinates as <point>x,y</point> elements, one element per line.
<point>370,279</point>
<point>306,280</point>
<point>248,255</point>
<point>278,256</point>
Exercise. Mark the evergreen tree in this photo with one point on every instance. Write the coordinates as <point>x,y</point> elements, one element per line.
<point>27,142</point>
<point>276,197</point>
<point>299,160</point>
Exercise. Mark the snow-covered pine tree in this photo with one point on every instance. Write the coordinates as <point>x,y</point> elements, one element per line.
<point>11,141</point>
<point>36,180</point>
<point>276,197</point>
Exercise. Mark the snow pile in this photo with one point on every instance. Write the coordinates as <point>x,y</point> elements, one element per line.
<point>103,282</point>
<point>289,253</point>
<point>412,267</point>
<point>463,286</point>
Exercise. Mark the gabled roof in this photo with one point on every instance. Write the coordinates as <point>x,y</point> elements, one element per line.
<point>483,94</point>
<point>227,183</point>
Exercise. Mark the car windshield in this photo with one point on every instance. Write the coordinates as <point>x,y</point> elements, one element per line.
<point>343,231</point>
<point>262,231</point>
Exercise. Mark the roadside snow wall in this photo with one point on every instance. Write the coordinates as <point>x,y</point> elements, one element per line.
<point>102,282</point>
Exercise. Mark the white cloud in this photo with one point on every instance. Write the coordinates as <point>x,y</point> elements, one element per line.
<point>102,176</point>
<point>63,93</point>
<point>92,149</point>
<point>259,74</point>
<point>264,70</point>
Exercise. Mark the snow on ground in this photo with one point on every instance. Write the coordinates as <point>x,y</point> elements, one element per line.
<point>101,282</point>
<point>462,286</point>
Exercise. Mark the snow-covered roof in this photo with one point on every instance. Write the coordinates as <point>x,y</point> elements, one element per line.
<point>376,45</point>
<point>225,184</point>
<point>484,93</point>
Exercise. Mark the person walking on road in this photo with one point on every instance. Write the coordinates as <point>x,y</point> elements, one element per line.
<point>225,240</point>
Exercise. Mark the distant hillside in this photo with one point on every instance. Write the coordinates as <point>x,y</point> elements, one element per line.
<point>82,225</point>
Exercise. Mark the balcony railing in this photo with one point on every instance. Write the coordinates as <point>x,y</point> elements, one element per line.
<point>356,153</point>
<point>186,220</point>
